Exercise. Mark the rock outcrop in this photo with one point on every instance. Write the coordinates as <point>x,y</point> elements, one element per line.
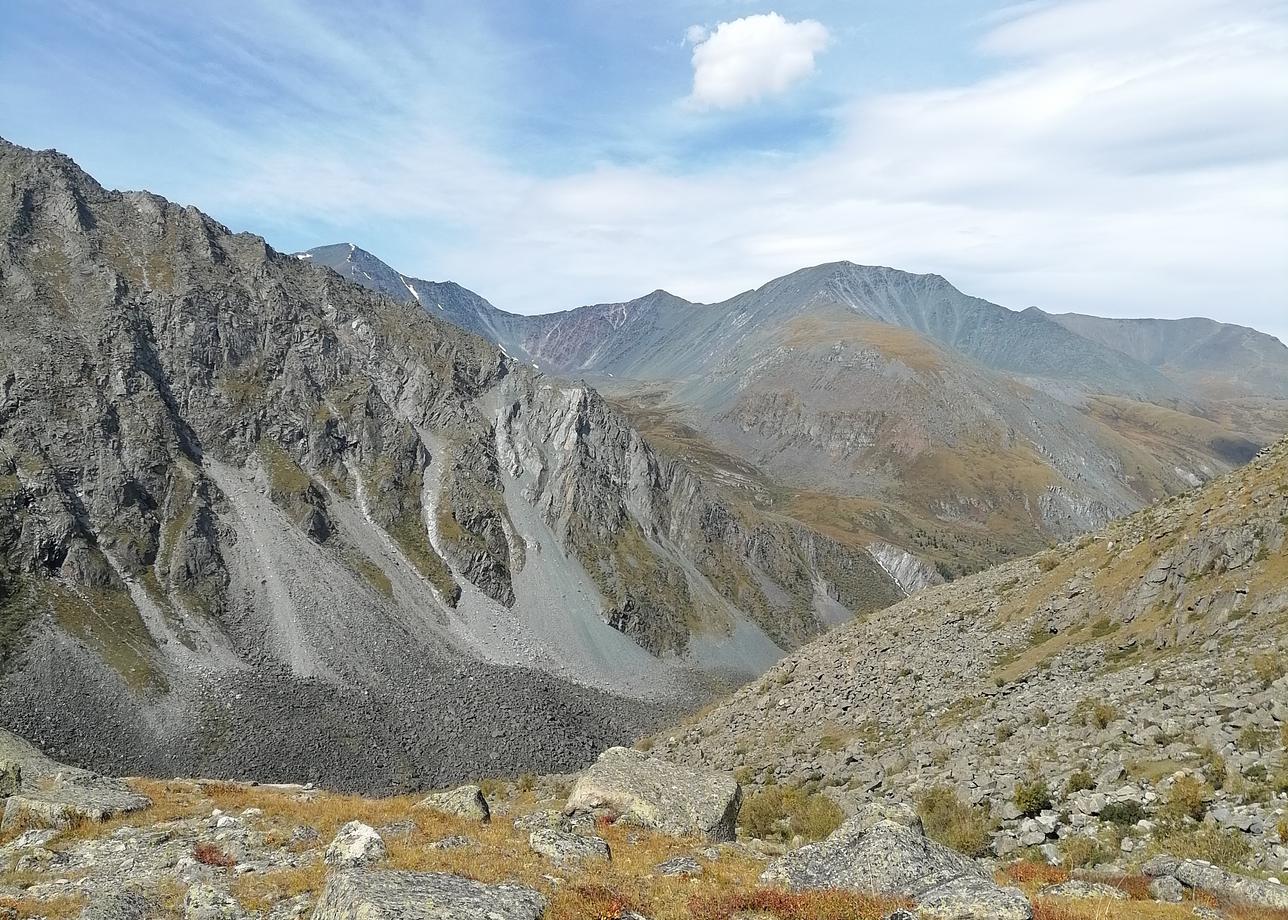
<point>463,801</point>
<point>1197,874</point>
<point>630,786</point>
<point>379,895</point>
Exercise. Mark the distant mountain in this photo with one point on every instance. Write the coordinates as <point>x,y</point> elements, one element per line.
<point>1214,359</point>
<point>890,408</point>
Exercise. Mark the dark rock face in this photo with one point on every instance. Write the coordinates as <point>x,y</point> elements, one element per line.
<point>247,507</point>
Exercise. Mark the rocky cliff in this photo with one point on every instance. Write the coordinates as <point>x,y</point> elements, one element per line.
<point>257,519</point>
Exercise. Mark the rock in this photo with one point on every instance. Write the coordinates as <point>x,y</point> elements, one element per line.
<point>565,848</point>
<point>883,851</point>
<point>384,895</point>
<point>67,803</point>
<point>455,842</point>
<point>679,867</point>
<point>205,903</point>
<point>127,904</point>
<point>355,844</point>
<point>1079,890</point>
<point>676,800</point>
<point>464,802</point>
<point>1167,889</point>
<point>1194,873</point>
<point>573,824</point>
<point>10,778</point>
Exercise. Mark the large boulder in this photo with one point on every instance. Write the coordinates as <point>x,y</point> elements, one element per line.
<point>463,802</point>
<point>355,844</point>
<point>882,849</point>
<point>383,895</point>
<point>64,803</point>
<point>566,849</point>
<point>1195,873</point>
<point>638,789</point>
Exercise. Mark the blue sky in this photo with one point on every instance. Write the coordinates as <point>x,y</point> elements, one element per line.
<point>1092,155</point>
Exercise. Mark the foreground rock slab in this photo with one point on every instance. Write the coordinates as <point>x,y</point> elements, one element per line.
<point>464,802</point>
<point>1194,873</point>
<point>382,895</point>
<point>883,849</point>
<point>656,794</point>
<point>69,803</point>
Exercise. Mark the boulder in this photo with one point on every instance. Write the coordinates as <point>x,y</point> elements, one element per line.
<point>679,867</point>
<point>565,848</point>
<point>63,804</point>
<point>883,850</point>
<point>652,793</point>
<point>1195,873</point>
<point>463,802</point>
<point>573,824</point>
<point>384,895</point>
<point>10,778</point>
<point>1080,890</point>
<point>206,903</point>
<point>354,845</point>
<point>126,904</point>
<point>1167,889</point>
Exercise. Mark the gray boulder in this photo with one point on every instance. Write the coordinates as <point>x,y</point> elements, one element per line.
<point>1080,890</point>
<point>565,848</point>
<point>883,850</point>
<point>653,793</point>
<point>354,845</point>
<point>70,801</point>
<point>383,895</point>
<point>10,778</point>
<point>1195,873</point>
<point>206,903</point>
<point>1167,889</point>
<point>679,867</point>
<point>463,802</point>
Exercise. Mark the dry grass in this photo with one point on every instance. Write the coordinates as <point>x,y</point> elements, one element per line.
<point>66,907</point>
<point>817,905</point>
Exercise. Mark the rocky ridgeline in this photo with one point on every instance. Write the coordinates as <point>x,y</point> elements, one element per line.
<point>1093,705</point>
<point>236,490</point>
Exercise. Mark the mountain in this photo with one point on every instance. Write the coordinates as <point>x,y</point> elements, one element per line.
<point>893,412</point>
<point>259,520</point>
<point>1154,648</point>
<point>1216,359</point>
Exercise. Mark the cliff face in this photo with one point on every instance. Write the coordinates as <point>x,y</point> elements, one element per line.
<point>238,490</point>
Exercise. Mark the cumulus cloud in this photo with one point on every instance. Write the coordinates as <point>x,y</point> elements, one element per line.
<point>752,58</point>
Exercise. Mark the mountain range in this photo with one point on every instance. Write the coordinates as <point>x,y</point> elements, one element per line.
<point>890,410</point>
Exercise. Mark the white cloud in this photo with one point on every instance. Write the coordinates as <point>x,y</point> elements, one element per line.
<point>1086,172</point>
<point>695,35</point>
<point>752,58</point>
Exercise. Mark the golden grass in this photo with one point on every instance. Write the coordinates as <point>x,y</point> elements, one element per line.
<point>897,343</point>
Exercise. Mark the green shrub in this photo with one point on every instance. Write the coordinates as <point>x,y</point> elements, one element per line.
<point>1188,798</point>
<point>1226,848</point>
<point>1282,828</point>
<point>1255,738</point>
<point>1032,796</point>
<point>954,823</point>
<point>1080,851</point>
<point>783,812</point>
<point>1123,814</point>
<point>1095,712</point>
<point>1213,766</point>
<point>1269,667</point>
<point>1080,781</point>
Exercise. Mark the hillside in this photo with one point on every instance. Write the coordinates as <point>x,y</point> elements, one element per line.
<point>239,491</point>
<point>1154,649</point>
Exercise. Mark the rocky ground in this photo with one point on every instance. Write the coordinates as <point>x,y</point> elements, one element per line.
<point>1110,699</point>
<point>632,838</point>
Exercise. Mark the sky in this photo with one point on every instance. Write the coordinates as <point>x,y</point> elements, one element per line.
<point>1117,157</point>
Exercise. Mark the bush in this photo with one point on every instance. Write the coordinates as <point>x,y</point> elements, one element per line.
<point>1032,796</point>
<point>1269,667</point>
<point>1095,712</point>
<point>1213,766</point>
<point>1080,851</point>
<point>953,823</point>
<point>1228,848</point>
<point>1188,798</point>
<point>1282,828</point>
<point>783,812</point>
<point>1080,781</point>
<point>1123,814</point>
<point>210,855</point>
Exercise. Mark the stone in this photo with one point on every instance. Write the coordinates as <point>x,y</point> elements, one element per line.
<point>573,824</point>
<point>463,802</point>
<point>204,902</point>
<point>565,848</point>
<point>882,851</point>
<point>386,895</point>
<point>63,804</point>
<point>10,778</point>
<point>355,844</point>
<point>1081,890</point>
<point>679,867</point>
<point>638,789</point>
<point>126,904</point>
<point>1167,889</point>
<point>1194,873</point>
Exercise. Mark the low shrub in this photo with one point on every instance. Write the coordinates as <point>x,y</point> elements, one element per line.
<point>1269,667</point>
<point>954,823</point>
<point>210,854</point>
<point>1227,848</point>
<point>1032,796</point>
<point>1123,814</point>
<point>1188,798</point>
<point>1080,781</point>
<point>1213,766</point>
<point>1095,712</point>
<point>1080,851</point>
<point>784,812</point>
<point>786,905</point>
